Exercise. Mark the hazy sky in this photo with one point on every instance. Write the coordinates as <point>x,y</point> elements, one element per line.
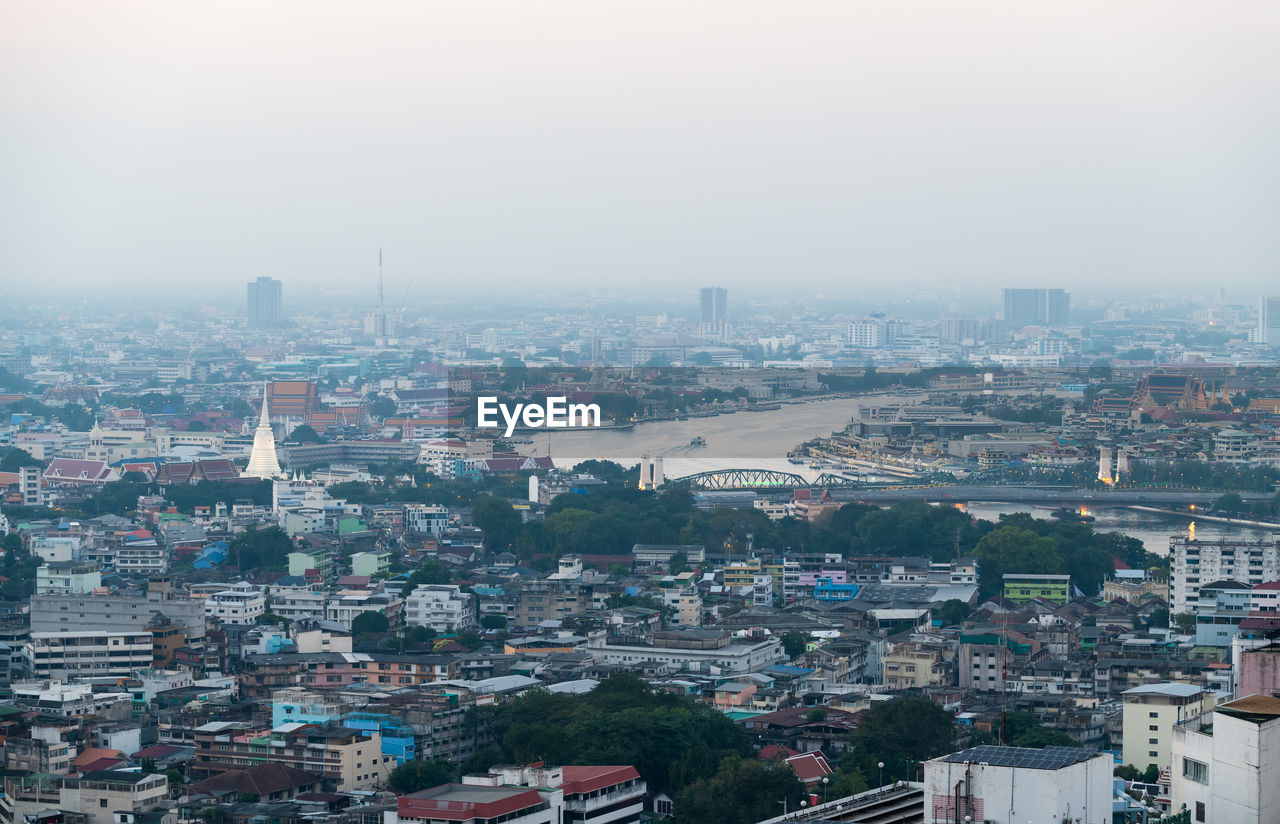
<point>494,146</point>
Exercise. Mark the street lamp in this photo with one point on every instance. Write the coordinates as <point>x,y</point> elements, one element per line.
<point>825,782</point>
<point>881,766</point>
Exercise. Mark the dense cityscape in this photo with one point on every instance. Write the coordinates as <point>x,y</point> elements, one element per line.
<point>568,412</point>
<point>263,565</point>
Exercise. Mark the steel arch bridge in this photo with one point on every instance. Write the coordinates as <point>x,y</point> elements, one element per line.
<point>731,479</point>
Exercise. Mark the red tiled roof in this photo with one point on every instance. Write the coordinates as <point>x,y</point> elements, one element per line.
<point>590,779</point>
<point>810,766</point>
<point>771,751</point>
<point>436,804</point>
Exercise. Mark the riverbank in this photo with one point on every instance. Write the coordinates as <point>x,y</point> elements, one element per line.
<point>1200,516</point>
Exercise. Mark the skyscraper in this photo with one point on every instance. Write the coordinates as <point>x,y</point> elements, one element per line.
<point>1269,320</point>
<point>1026,307</point>
<point>263,311</point>
<point>715,301</point>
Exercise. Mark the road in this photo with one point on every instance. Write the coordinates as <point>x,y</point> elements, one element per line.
<point>1041,495</point>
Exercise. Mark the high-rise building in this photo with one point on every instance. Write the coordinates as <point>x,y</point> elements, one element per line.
<point>1026,307</point>
<point>1269,320</point>
<point>263,308</point>
<point>715,301</point>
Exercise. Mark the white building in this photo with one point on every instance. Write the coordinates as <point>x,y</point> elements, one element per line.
<point>705,656</point>
<point>441,607</point>
<point>242,604</point>
<point>1150,714</point>
<point>1226,764</point>
<point>1269,320</point>
<point>67,578</point>
<point>88,653</point>
<point>147,558</point>
<point>1195,562</point>
<point>426,519</point>
<point>1015,785</point>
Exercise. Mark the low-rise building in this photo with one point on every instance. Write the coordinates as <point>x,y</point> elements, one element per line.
<point>1150,715</point>
<point>67,578</point>
<point>1013,785</point>
<point>88,653</point>
<point>442,607</point>
<point>1226,763</point>
<point>242,604</point>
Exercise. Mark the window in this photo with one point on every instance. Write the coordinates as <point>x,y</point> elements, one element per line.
<point>1153,754</point>
<point>1199,811</point>
<point>1195,771</point>
<point>102,802</point>
<point>1153,715</point>
<point>1153,740</point>
<point>1153,728</point>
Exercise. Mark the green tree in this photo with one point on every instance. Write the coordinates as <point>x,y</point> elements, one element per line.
<point>952,612</point>
<point>1230,503</point>
<point>15,458</point>
<point>1160,617</point>
<point>497,519</point>
<point>1021,729</point>
<point>795,643</point>
<point>415,775</point>
<point>494,622</point>
<point>369,622</point>
<point>740,790</point>
<point>1012,549</point>
<point>305,434</point>
<point>1127,771</point>
<point>383,408</point>
<point>1184,622</point>
<point>262,549</point>
<point>901,733</point>
<point>679,563</point>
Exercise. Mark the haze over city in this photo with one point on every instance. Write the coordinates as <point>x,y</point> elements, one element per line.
<point>580,146</point>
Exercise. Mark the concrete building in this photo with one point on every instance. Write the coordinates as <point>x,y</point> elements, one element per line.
<point>1220,607</point>
<point>1020,588</point>
<point>702,651</point>
<point>470,804</point>
<point>1193,562</point>
<point>1016,785</point>
<point>102,796</point>
<point>1269,320</point>
<point>441,607</point>
<point>67,578</point>
<point>242,604</point>
<point>1150,715</point>
<point>88,653</point>
<point>1259,670</point>
<point>114,613</point>
<point>346,759</point>
<point>264,307</point>
<point>1030,307</point>
<point>1226,763</point>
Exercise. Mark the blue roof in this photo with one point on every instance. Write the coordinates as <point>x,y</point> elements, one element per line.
<point>785,669</point>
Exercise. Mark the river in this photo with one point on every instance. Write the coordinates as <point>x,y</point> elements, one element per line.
<point>743,440</point>
<point>761,440</point>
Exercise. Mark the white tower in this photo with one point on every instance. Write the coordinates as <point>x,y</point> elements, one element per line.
<point>1104,464</point>
<point>646,472</point>
<point>263,462</point>
<point>659,478</point>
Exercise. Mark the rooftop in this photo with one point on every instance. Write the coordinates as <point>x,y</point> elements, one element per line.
<point>1173,690</point>
<point>1027,758</point>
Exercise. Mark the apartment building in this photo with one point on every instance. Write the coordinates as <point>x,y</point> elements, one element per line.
<point>1194,562</point>
<point>1150,715</point>
<point>88,653</point>
<point>1226,763</point>
<point>101,795</point>
<point>115,613</point>
<point>441,607</point>
<point>67,578</point>
<point>345,759</point>
<point>242,604</point>
<point>914,666</point>
<point>142,559</point>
